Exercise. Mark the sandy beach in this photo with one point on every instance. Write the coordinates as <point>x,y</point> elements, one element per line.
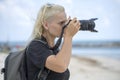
<point>88,68</point>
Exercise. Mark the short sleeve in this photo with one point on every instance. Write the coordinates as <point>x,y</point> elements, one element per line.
<point>38,53</point>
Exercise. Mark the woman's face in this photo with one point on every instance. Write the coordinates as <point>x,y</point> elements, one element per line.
<point>56,24</point>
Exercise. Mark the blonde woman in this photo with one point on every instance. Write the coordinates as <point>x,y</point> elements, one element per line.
<point>49,23</point>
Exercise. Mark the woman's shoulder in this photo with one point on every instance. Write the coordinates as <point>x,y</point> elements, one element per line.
<point>37,42</point>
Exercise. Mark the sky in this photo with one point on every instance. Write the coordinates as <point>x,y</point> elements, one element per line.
<point>17,18</point>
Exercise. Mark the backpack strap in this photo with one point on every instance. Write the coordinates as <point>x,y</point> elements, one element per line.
<point>43,73</point>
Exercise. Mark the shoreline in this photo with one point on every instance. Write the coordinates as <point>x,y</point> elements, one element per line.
<point>87,67</point>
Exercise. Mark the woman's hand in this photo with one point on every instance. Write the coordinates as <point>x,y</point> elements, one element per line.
<point>72,28</point>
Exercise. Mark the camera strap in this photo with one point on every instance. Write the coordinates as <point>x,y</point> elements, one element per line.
<point>60,38</point>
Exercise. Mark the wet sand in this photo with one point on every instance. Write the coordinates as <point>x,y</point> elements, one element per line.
<point>88,68</point>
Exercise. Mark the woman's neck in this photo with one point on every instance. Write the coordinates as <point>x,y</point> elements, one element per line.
<point>49,39</point>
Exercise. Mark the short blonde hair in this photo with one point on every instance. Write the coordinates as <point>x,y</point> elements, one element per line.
<point>46,11</point>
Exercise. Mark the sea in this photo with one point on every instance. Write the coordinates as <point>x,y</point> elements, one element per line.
<point>105,52</point>
<point>91,49</point>
<point>109,49</point>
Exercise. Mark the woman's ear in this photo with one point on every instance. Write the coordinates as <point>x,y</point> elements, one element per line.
<point>45,25</point>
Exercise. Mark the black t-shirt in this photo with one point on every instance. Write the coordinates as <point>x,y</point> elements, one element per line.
<point>37,54</point>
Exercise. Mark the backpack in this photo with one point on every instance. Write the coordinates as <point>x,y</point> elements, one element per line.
<point>15,66</point>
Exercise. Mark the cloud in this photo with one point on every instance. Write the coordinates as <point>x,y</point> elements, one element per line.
<point>2,7</point>
<point>106,22</point>
<point>118,1</point>
<point>15,20</point>
<point>69,1</point>
<point>18,15</point>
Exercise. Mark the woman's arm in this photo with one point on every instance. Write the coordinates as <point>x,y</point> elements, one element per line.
<point>60,62</point>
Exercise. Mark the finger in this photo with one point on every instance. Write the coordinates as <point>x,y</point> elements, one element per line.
<point>77,23</point>
<point>74,20</point>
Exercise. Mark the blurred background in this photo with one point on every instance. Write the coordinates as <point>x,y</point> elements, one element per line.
<point>95,54</point>
<point>17,19</point>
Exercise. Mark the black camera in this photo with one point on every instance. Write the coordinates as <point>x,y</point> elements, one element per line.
<point>86,25</point>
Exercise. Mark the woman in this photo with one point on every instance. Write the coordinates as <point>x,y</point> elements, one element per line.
<point>50,21</point>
